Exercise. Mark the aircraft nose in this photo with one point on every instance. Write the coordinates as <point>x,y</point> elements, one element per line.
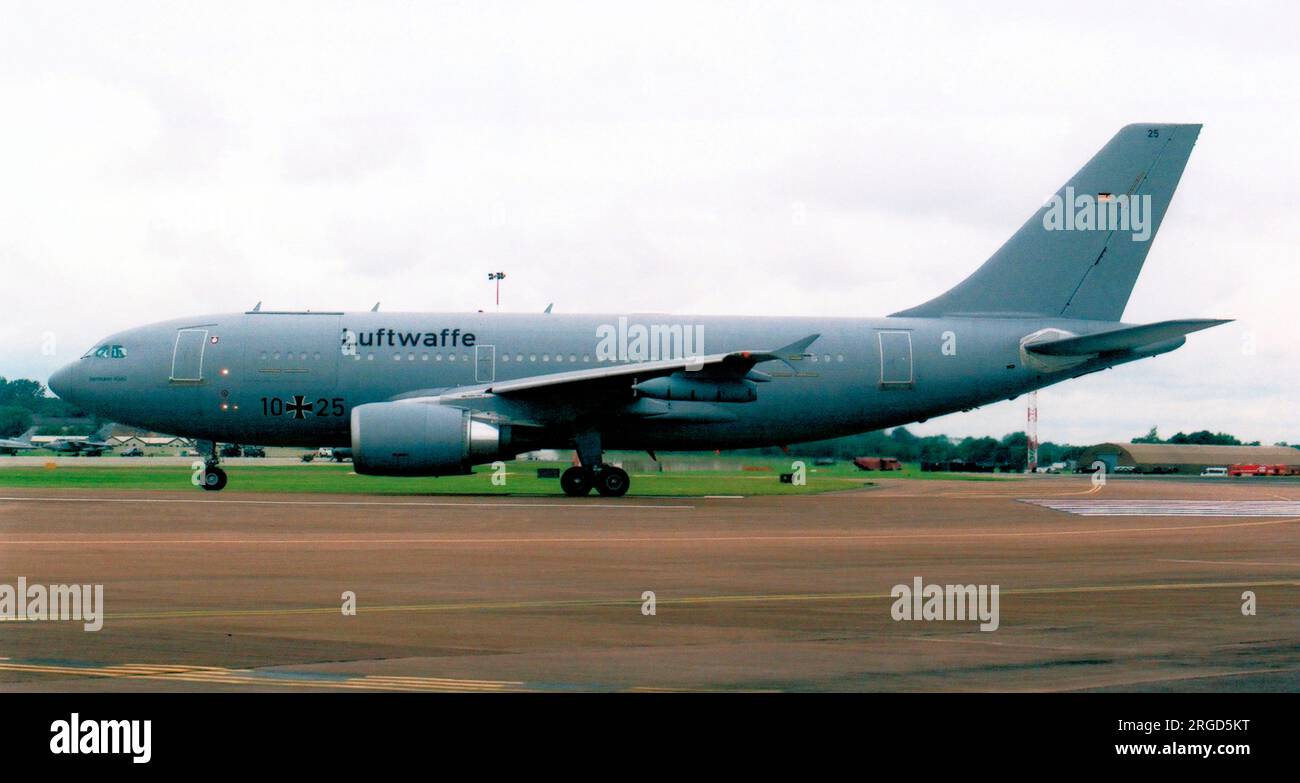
<point>63,381</point>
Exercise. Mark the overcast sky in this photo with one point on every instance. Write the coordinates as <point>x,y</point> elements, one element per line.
<point>167,159</point>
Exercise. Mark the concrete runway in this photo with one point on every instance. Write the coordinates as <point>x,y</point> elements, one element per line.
<point>240,591</point>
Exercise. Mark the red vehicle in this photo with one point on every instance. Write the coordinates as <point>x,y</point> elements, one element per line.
<point>1263,470</point>
<point>877,463</point>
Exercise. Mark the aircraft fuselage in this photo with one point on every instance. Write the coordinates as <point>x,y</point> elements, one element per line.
<point>293,378</point>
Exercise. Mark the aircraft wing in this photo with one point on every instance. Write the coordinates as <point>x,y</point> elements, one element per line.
<point>1126,339</point>
<point>538,397</point>
<point>736,364</point>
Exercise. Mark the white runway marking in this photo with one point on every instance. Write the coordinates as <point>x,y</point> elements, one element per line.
<point>1172,508</point>
<point>416,504</point>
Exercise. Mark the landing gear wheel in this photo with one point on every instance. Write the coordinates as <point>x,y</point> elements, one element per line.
<point>576,482</point>
<point>214,479</point>
<point>612,482</point>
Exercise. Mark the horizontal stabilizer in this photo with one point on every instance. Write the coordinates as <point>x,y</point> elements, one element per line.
<point>1125,339</point>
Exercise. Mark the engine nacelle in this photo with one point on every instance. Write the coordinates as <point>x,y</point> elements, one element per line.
<point>420,439</point>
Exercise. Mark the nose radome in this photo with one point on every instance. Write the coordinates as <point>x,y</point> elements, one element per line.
<point>61,382</point>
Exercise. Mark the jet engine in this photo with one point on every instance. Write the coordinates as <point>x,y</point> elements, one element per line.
<point>422,439</point>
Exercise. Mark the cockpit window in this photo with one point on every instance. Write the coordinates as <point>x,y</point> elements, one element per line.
<point>109,352</point>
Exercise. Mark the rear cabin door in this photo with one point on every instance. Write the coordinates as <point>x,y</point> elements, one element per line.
<point>895,359</point>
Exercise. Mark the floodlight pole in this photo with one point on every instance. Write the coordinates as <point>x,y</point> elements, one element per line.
<point>498,277</point>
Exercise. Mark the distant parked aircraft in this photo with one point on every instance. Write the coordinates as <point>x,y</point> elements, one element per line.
<point>21,443</point>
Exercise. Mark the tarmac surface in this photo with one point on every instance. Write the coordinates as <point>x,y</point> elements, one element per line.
<point>1098,589</point>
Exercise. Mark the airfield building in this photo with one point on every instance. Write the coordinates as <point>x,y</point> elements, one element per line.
<point>1185,458</point>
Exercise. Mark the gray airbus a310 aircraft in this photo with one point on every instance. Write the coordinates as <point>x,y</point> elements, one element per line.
<point>432,394</point>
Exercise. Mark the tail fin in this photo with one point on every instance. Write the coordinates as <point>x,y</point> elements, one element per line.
<point>1080,254</point>
<point>26,437</point>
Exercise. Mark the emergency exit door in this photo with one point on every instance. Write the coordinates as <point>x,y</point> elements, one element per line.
<point>485,363</point>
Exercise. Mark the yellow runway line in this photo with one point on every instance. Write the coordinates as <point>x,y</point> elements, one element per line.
<point>218,676</point>
<point>595,603</point>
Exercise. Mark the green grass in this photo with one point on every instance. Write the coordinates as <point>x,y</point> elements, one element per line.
<point>521,479</point>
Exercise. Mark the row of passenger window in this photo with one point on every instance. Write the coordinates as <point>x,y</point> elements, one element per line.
<point>464,357</point>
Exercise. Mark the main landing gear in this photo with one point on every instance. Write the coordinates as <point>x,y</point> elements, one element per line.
<point>608,480</point>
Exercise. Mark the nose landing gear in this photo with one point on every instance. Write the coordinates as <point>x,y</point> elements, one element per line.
<point>208,475</point>
<point>213,479</point>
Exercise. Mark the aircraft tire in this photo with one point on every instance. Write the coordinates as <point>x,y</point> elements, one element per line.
<point>576,482</point>
<point>214,479</point>
<point>612,482</point>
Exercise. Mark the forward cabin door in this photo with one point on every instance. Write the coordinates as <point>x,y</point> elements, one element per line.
<point>187,356</point>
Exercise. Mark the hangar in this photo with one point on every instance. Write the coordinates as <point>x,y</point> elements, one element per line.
<point>1185,458</point>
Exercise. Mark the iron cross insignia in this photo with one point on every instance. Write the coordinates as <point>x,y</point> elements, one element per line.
<point>297,407</point>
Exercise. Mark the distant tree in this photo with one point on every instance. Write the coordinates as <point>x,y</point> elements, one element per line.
<point>1049,452</point>
<point>1151,437</point>
<point>936,448</point>
<point>1205,438</point>
<point>978,449</point>
<point>23,392</point>
<point>14,420</point>
<point>1014,450</point>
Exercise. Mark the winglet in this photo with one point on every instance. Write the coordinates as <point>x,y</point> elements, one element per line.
<point>793,352</point>
<point>796,349</point>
